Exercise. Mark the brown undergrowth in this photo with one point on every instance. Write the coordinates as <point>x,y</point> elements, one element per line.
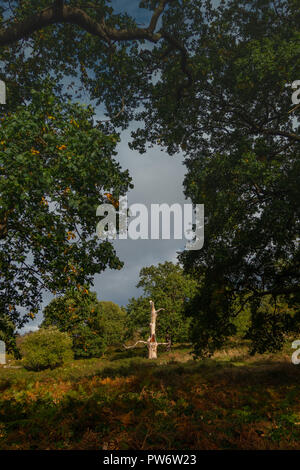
<point>231,401</point>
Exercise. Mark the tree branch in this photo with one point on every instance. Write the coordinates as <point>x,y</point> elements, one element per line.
<point>275,132</point>
<point>156,311</point>
<point>294,109</point>
<point>60,13</point>
<point>157,13</point>
<point>184,54</point>
<point>280,291</point>
<point>115,116</point>
<point>129,347</point>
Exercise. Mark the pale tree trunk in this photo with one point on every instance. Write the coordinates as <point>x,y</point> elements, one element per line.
<point>151,341</point>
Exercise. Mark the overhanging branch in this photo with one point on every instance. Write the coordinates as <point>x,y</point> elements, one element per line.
<point>60,13</point>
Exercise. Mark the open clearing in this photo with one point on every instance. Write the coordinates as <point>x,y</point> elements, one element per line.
<point>124,401</point>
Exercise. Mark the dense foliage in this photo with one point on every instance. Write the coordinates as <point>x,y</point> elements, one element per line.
<point>92,325</point>
<point>170,289</point>
<point>45,348</point>
<point>246,172</point>
<point>213,82</point>
<point>8,334</point>
<point>112,322</point>
<point>54,166</point>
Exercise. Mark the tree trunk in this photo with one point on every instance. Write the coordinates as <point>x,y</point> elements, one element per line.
<point>151,341</point>
<point>152,350</point>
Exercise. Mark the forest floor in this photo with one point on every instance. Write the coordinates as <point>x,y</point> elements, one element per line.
<point>124,401</point>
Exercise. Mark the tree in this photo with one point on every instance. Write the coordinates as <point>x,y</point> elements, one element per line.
<point>167,285</point>
<point>271,323</point>
<point>54,168</point>
<point>251,248</point>
<point>92,325</point>
<point>246,171</point>
<point>212,82</point>
<point>151,342</point>
<point>112,322</point>
<point>101,48</point>
<point>8,335</point>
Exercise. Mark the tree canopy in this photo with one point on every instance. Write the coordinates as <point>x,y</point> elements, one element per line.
<point>55,166</point>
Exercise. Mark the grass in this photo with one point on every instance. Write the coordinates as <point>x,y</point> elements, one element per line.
<point>124,401</point>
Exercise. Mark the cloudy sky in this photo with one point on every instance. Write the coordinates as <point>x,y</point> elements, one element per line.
<point>157,178</point>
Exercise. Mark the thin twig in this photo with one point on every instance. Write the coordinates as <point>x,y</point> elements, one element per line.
<point>156,311</point>
<point>296,107</point>
<point>116,115</point>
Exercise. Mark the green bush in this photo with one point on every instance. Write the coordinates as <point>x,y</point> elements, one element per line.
<point>46,348</point>
<point>87,342</point>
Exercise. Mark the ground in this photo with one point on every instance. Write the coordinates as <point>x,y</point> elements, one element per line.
<point>124,401</point>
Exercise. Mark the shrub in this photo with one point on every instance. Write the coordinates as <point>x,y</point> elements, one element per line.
<point>46,348</point>
<point>87,342</point>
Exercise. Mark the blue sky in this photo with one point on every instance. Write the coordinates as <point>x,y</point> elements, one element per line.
<point>132,8</point>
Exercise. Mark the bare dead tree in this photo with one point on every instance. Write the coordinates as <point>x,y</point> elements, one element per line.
<point>151,342</point>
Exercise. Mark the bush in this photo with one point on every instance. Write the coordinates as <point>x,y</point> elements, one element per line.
<point>87,342</point>
<point>46,348</point>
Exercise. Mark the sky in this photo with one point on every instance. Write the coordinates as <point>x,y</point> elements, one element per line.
<point>157,178</point>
